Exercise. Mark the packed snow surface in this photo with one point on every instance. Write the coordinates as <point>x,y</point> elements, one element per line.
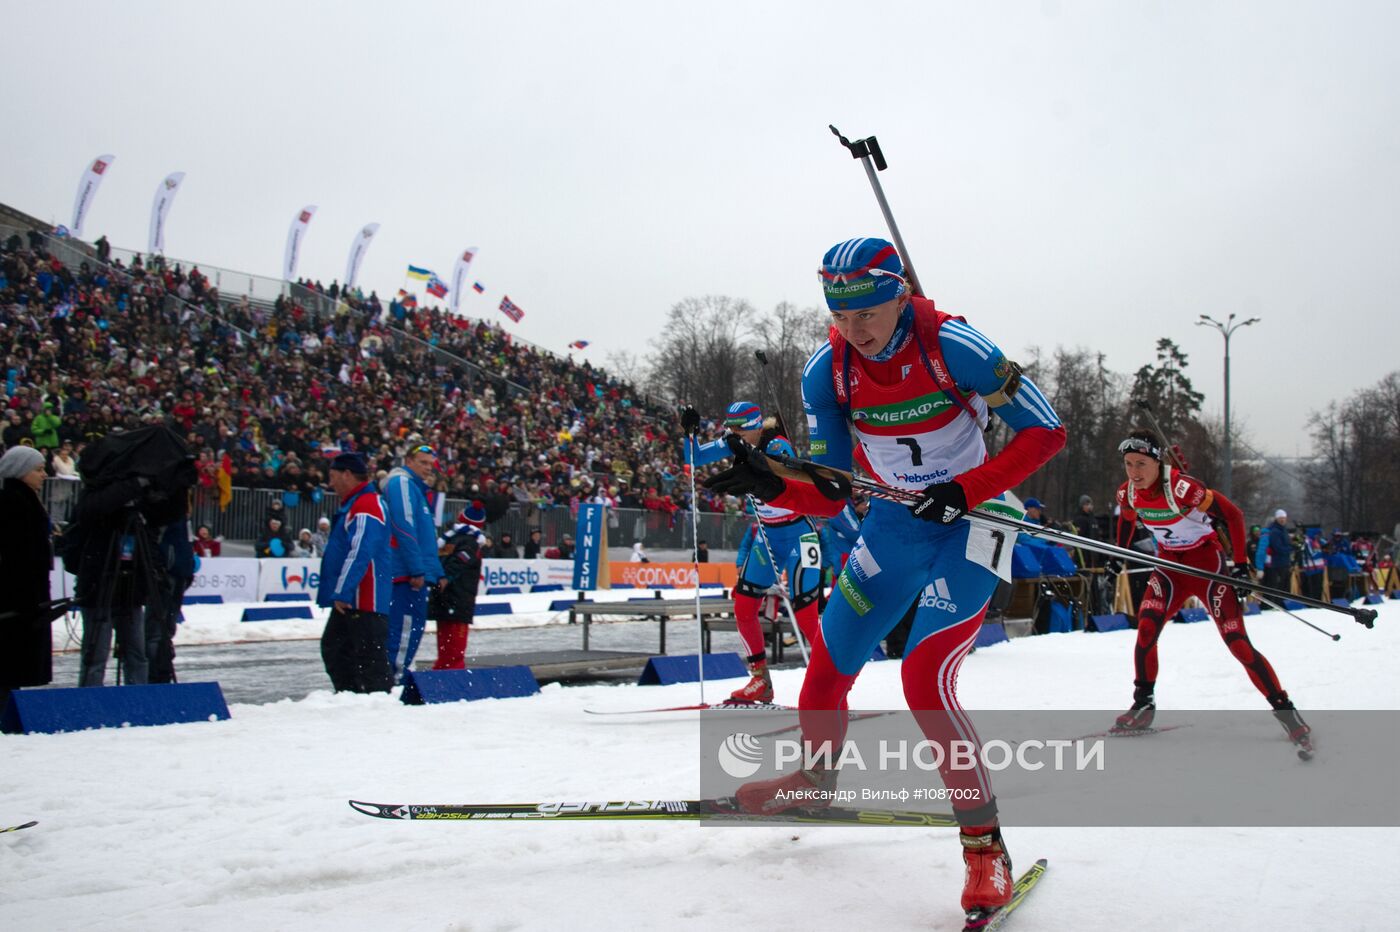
<point>243,824</point>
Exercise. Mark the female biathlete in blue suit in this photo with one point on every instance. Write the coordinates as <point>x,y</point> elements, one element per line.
<point>914,386</point>
<point>761,565</point>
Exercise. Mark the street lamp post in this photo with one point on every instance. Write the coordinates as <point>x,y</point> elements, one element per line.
<point>1226,329</point>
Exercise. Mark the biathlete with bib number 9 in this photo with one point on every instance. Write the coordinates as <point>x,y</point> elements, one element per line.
<point>782,541</point>
<point>915,386</point>
<point>1178,509</point>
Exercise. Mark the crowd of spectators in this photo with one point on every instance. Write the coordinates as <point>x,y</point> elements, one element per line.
<point>267,394</point>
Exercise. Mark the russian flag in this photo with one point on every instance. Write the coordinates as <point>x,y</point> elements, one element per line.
<point>477,287</point>
<point>578,344</point>
<point>436,287</point>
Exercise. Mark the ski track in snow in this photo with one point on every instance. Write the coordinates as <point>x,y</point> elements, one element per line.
<point>244,824</point>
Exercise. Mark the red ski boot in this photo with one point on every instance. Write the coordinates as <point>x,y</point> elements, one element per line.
<point>804,789</point>
<point>759,688</point>
<point>988,885</point>
<point>1140,716</point>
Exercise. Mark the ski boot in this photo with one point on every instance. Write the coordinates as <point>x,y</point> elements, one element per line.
<point>759,688</point>
<point>988,885</point>
<point>1139,717</point>
<point>1298,731</point>
<point>801,789</point>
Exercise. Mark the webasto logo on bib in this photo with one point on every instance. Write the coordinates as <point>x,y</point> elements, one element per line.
<point>904,412</point>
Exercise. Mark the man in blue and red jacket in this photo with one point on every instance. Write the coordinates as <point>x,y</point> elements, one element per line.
<point>413,553</point>
<point>355,583</point>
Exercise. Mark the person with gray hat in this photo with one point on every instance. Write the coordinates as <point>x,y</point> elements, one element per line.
<point>26,651</point>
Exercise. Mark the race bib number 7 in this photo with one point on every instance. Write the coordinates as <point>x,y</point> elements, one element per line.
<point>809,552</point>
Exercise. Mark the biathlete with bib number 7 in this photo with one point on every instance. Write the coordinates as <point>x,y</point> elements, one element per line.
<point>782,541</point>
<point>915,386</point>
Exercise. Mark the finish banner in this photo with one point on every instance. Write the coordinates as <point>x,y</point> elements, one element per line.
<point>590,557</point>
<point>160,206</point>
<point>87,190</point>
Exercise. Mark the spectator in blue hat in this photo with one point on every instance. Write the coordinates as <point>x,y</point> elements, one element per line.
<point>1035,511</point>
<point>355,583</point>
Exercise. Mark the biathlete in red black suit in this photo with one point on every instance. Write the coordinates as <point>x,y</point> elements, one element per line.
<point>915,386</point>
<point>1178,509</point>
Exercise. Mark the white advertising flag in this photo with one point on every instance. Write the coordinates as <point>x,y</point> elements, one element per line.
<point>459,276</point>
<point>87,190</point>
<point>295,234</point>
<point>357,253</point>
<point>165,196</point>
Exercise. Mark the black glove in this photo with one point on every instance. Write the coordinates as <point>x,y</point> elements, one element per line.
<point>690,420</point>
<point>1241,571</point>
<point>944,502</point>
<point>751,474</point>
<point>1112,569</point>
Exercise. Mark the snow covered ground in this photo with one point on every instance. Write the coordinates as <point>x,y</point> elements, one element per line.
<point>243,824</point>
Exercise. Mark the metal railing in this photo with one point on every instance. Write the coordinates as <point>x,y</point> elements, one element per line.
<point>245,518</point>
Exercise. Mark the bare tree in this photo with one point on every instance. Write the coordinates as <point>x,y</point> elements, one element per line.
<point>787,338</point>
<point>698,357</point>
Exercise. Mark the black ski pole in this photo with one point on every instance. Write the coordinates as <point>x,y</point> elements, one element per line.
<point>1175,451</point>
<point>836,484</point>
<point>770,396</point>
<point>1268,601</point>
<point>867,151</point>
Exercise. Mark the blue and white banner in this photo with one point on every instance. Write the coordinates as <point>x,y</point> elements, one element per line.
<point>589,553</point>
<point>282,576</point>
<point>527,574</point>
<point>459,276</point>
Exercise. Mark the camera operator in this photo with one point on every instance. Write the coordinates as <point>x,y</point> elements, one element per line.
<point>135,487</point>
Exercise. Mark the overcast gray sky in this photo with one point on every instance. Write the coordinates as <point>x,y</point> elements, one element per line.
<point>1065,173</point>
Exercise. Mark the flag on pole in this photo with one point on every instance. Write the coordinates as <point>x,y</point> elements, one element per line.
<point>417,274</point>
<point>437,287</point>
<point>407,298</point>
<point>509,309</point>
<point>295,234</point>
<point>160,206</point>
<point>578,344</point>
<point>478,287</point>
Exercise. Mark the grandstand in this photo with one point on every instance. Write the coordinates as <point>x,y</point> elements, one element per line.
<point>267,378</point>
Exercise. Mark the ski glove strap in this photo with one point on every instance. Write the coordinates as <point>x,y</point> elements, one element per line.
<point>751,474</point>
<point>944,502</point>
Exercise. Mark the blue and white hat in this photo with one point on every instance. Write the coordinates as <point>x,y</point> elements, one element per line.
<point>743,415</point>
<point>861,273</point>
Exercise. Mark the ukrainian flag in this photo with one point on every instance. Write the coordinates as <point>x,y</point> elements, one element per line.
<point>421,275</point>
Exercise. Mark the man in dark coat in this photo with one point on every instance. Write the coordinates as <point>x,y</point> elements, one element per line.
<point>26,654</point>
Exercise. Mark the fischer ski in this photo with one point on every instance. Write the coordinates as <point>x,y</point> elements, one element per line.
<point>1130,732</point>
<point>700,707</point>
<point>692,810</point>
<point>990,920</point>
<point>16,828</point>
